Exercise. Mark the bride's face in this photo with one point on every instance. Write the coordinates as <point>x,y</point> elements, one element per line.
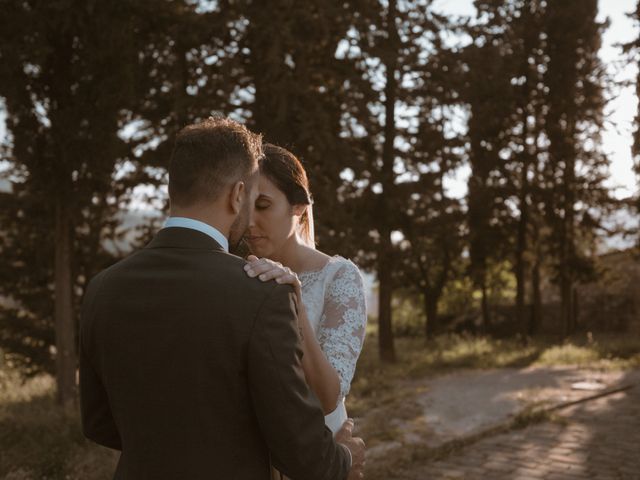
<point>274,221</point>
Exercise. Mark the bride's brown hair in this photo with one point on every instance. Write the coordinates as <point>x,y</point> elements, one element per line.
<point>285,170</point>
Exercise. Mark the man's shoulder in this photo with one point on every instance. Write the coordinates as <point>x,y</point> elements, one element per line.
<point>232,269</point>
<point>114,267</point>
<point>220,269</point>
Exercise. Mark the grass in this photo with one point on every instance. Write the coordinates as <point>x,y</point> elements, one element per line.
<point>40,441</point>
<point>609,352</point>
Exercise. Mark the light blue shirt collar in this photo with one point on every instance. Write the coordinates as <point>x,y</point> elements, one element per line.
<point>205,228</point>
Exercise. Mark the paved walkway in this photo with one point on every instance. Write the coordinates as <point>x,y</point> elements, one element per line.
<point>599,439</point>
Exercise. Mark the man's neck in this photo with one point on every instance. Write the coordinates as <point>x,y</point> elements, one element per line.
<point>208,218</point>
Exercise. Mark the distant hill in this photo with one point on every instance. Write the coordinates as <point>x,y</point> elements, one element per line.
<point>129,222</point>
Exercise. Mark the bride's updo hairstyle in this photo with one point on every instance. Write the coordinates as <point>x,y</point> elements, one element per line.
<point>287,173</point>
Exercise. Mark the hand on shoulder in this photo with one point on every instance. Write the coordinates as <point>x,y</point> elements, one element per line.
<point>266,269</point>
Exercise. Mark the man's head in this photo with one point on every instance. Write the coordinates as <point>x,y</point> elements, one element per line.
<point>213,168</point>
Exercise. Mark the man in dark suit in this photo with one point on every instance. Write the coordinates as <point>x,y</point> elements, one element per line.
<point>188,366</point>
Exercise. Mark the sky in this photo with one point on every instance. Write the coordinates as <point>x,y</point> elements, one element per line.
<point>622,108</point>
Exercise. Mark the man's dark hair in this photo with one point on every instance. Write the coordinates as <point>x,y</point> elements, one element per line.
<point>208,156</point>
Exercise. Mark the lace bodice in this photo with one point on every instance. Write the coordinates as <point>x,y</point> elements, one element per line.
<point>334,300</point>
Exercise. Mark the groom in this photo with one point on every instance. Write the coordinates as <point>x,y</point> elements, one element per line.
<point>188,366</point>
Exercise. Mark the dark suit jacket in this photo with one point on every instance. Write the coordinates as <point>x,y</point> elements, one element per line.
<point>192,369</point>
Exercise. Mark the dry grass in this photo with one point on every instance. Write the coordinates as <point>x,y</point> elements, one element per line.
<point>38,440</point>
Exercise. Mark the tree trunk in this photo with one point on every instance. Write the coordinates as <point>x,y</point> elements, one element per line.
<point>566,290</point>
<point>64,320</point>
<point>387,350</point>
<point>486,313</point>
<point>536,309</point>
<point>576,311</point>
<point>523,221</point>
<point>535,321</point>
<point>385,330</point>
<point>567,247</point>
<point>521,248</point>
<point>523,225</point>
<point>431,311</point>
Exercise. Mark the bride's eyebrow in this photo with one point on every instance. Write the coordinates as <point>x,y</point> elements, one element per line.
<point>264,196</point>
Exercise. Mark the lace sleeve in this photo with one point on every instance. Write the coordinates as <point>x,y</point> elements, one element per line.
<point>342,325</point>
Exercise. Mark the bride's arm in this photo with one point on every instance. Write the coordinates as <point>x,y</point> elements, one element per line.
<point>342,327</point>
<point>320,375</point>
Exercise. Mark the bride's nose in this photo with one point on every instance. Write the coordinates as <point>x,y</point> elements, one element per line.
<point>251,227</point>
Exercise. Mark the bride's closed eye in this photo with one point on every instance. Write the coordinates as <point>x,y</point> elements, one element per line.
<point>262,204</point>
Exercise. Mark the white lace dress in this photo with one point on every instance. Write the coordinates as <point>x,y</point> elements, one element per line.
<point>334,300</point>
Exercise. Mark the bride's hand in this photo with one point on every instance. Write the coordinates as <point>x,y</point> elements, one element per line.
<point>266,270</point>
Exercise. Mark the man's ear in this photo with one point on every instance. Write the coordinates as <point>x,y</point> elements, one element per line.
<point>236,197</point>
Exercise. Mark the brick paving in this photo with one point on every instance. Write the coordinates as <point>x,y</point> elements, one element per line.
<point>599,439</point>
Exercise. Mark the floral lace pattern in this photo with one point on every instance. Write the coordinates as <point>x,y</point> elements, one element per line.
<point>335,304</point>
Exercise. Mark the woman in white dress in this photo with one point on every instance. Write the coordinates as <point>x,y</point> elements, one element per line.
<point>330,295</point>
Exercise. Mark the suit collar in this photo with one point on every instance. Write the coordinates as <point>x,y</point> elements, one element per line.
<point>180,237</point>
<point>199,225</point>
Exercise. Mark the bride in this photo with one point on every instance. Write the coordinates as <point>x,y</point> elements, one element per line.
<point>330,296</point>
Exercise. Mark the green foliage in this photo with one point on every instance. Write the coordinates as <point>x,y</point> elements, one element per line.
<point>408,314</point>
<point>501,282</point>
<point>458,297</point>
